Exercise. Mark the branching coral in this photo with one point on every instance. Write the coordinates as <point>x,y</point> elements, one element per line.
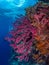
<point>22,39</point>
<point>32,36</point>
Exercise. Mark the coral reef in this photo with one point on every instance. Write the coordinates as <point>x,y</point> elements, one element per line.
<point>40,20</point>
<point>31,37</point>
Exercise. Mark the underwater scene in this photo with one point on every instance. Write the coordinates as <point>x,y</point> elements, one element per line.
<point>24,32</point>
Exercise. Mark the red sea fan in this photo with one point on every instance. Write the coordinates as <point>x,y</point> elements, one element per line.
<point>22,37</point>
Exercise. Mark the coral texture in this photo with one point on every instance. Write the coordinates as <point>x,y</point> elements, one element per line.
<point>40,20</point>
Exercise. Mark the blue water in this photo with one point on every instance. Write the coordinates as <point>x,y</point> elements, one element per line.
<point>9,10</point>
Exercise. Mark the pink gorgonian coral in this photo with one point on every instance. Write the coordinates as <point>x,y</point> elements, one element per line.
<point>21,39</point>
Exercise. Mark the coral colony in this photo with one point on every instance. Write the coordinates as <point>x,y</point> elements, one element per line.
<point>31,37</point>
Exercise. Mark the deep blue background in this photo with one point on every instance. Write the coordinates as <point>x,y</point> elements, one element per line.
<point>4,46</point>
<point>5,22</point>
